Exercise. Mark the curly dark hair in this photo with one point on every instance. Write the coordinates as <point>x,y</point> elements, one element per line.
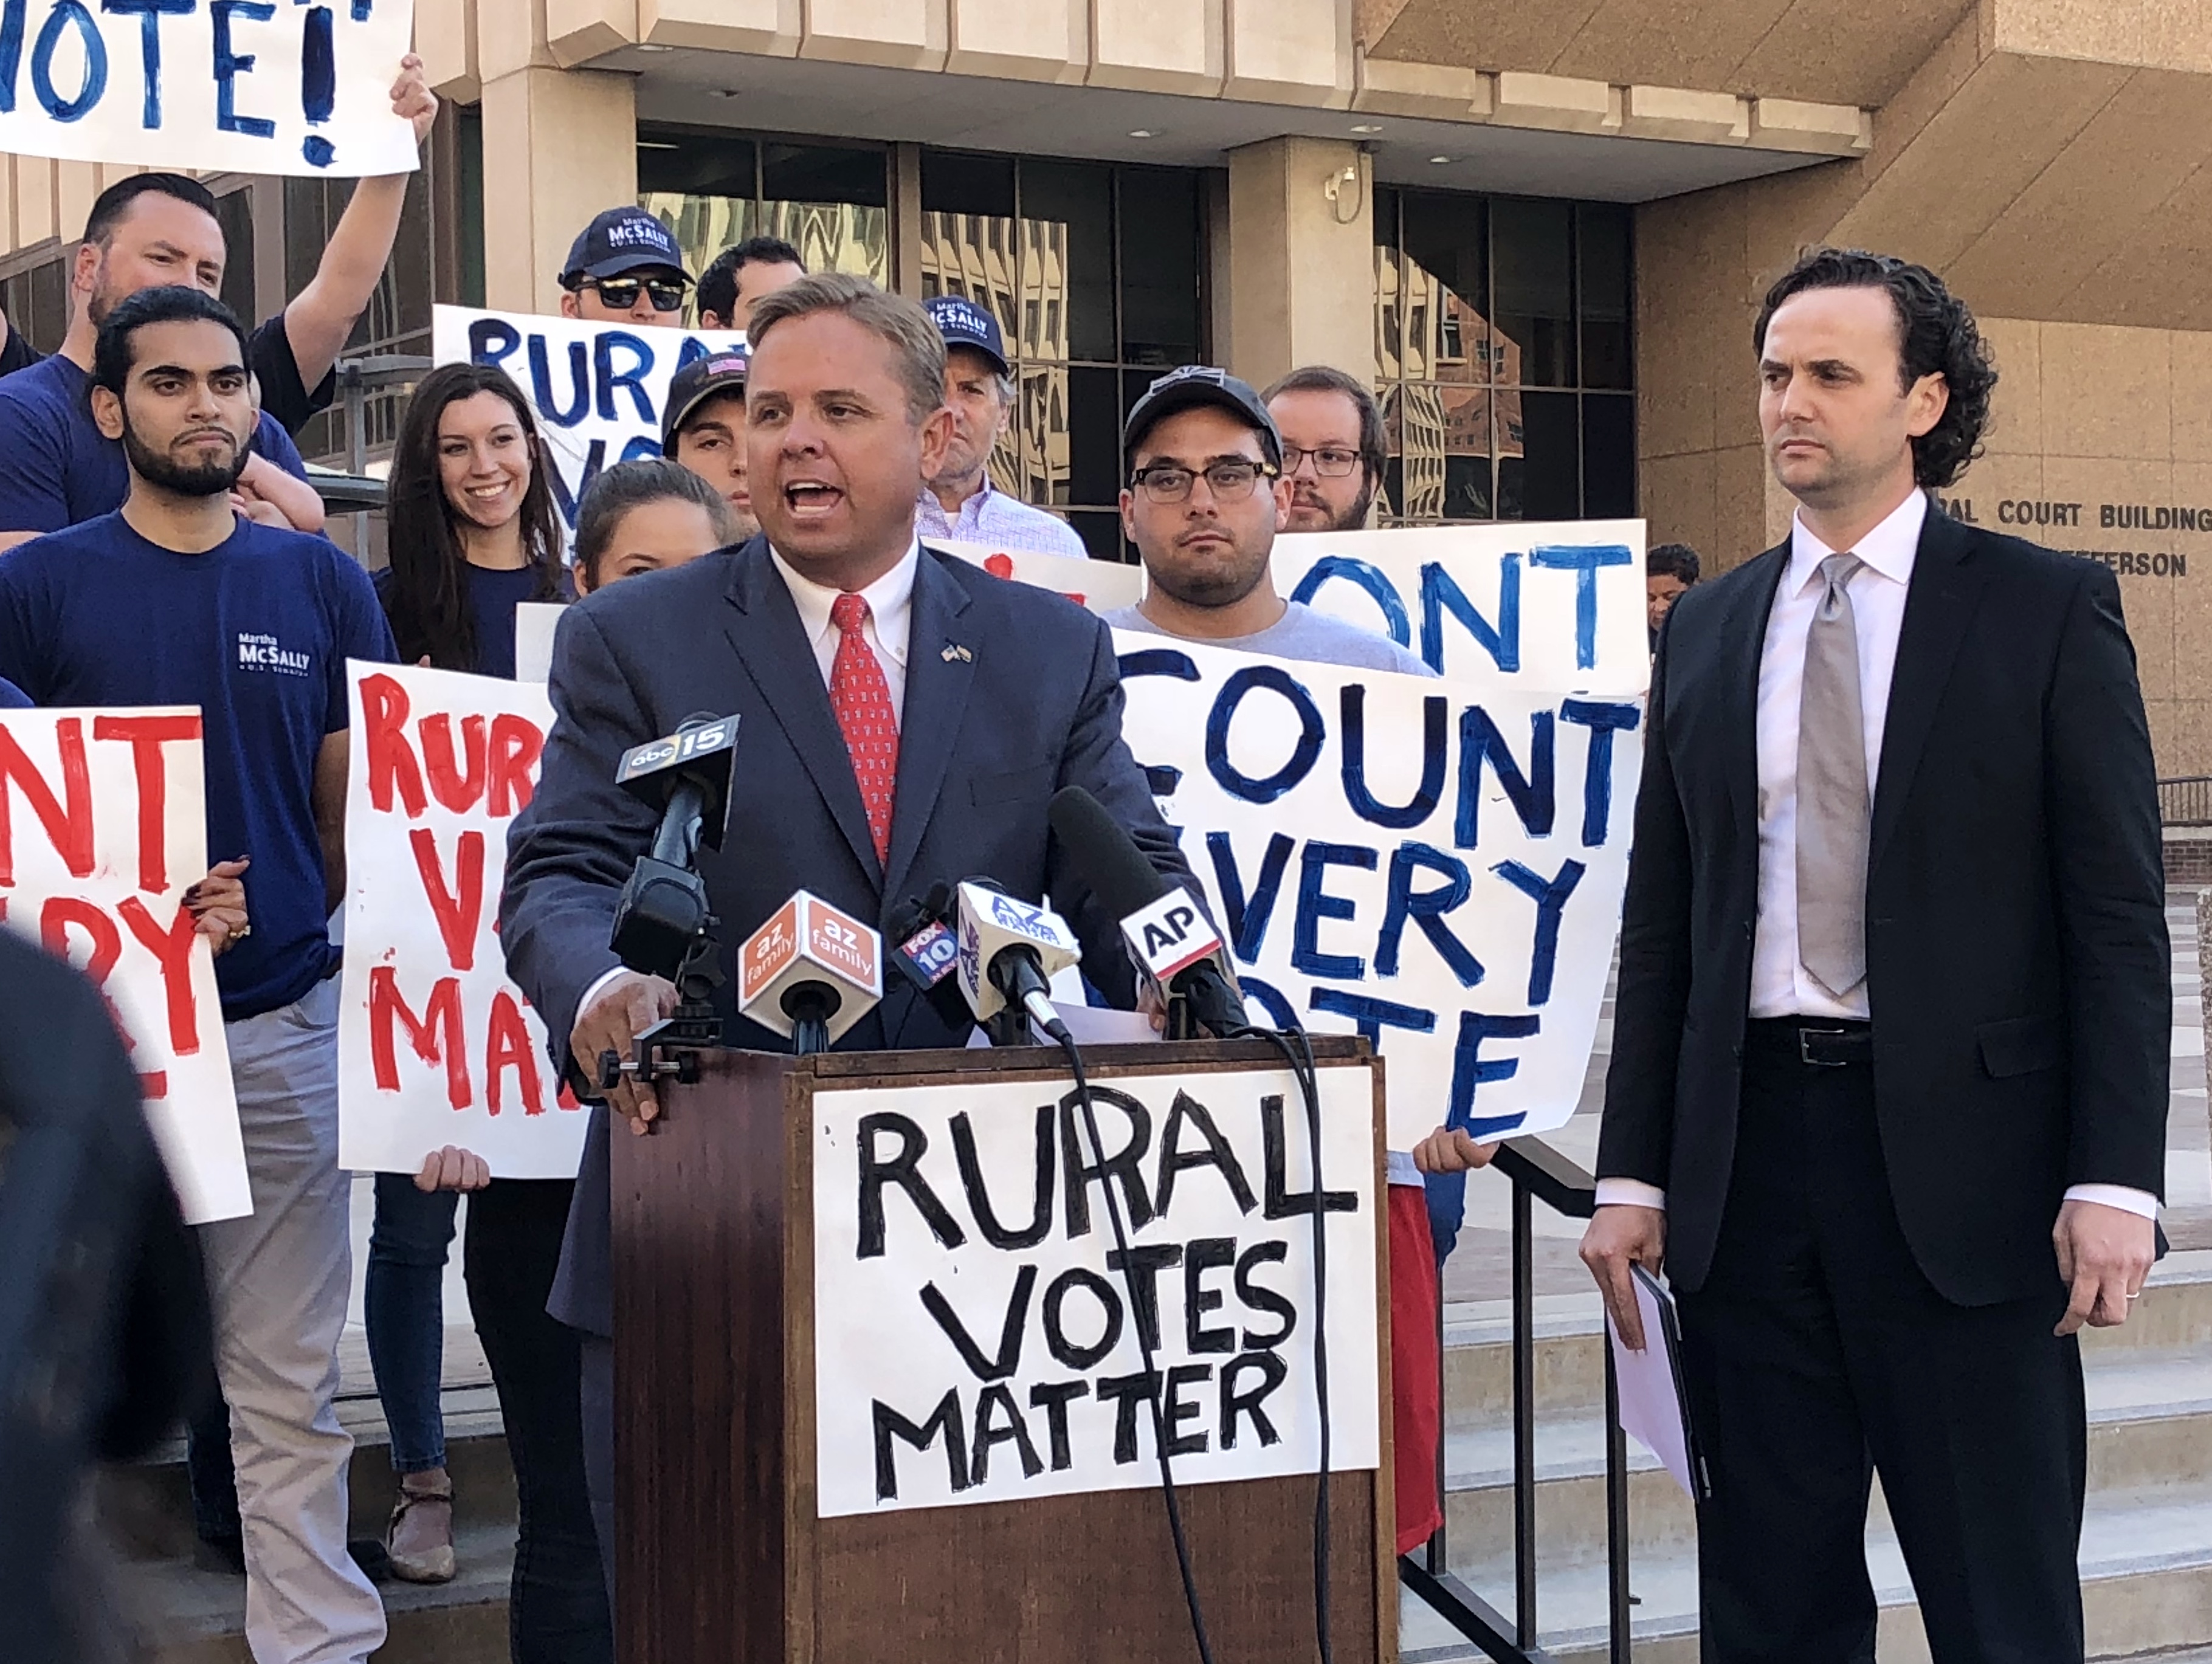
<point>1937,336</point>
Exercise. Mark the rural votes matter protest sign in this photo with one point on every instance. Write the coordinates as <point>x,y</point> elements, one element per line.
<point>599,389</point>
<point>977,1338</point>
<point>1437,864</point>
<point>436,1046</point>
<point>222,86</point>
<point>103,828</point>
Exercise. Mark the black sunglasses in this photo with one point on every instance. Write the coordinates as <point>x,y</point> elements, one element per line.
<point>621,293</point>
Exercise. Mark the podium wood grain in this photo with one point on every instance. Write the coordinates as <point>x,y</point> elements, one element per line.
<point>720,1557</point>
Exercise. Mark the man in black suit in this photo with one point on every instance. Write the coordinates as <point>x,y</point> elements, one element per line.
<point>1893,1009</point>
<point>905,717</point>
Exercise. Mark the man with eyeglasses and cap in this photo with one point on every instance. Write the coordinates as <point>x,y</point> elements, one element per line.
<point>624,268</point>
<point>959,501</point>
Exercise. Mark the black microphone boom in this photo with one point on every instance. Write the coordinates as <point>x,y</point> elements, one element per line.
<point>663,909</point>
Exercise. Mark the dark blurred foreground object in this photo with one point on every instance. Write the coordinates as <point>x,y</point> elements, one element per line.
<point>104,1323</point>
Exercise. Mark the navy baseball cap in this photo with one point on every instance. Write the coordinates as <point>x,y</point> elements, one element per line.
<point>701,380</point>
<point>1194,384</point>
<point>619,240</point>
<point>965,324</point>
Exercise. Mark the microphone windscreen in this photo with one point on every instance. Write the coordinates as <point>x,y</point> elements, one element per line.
<point>1104,854</point>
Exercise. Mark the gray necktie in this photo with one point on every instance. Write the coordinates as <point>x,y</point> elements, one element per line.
<point>1833,802</point>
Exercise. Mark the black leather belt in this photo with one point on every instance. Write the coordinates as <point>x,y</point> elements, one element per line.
<point>1821,1042</point>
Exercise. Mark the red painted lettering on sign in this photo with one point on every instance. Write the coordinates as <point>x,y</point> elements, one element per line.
<point>173,946</point>
<point>457,914</point>
<point>435,1035</point>
<point>455,783</point>
<point>391,765</point>
<point>68,821</point>
<point>515,744</point>
<point>507,1046</point>
<point>146,736</point>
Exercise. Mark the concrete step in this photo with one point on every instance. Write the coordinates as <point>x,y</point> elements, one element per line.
<point>2146,1582</point>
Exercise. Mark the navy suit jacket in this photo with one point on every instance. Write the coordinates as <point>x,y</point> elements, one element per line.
<point>1011,693</point>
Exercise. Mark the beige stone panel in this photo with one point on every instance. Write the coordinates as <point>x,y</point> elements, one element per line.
<point>1485,34</point>
<point>1689,254</point>
<point>1289,51</point>
<point>578,30</point>
<point>446,40</point>
<point>2181,736</point>
<point>2164,34</point>
<point>1677,496</point>
<point>1371,19</point>
<point>1678,112</point>
<point>2016,407</point>
<point>891,35</point>
<point>766,28</point>
<point>2155,273</point>
<point>1675,43</point>
<point>1745,522</point>
<point>1303,280</point>
<point>1858,54</point>
<point>2192,591</point>
<point>2141,145</point>
<point>1560,104</point>
<point>1442,91</point>
<point>1157,46</point>
<point>35,200</point>
<point>1826,130</point>
<point>1019,40</point>
<point>2149,602</point>
<point>2191,352</point>
<point>558,146</point>
<point>75,184</point>
<point>1980,497</point>
<point>2106,392</point>
<point>1953,179</point>
<point>511,36</point>
<point>1934,84</point>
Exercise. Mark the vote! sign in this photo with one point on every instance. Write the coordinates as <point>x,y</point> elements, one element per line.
<point>599,389</point>
<point>977,1332</point>
<point>436,1046</point>
<point>1438,866</point>
<point>103,828</point>
<point>219,86</point>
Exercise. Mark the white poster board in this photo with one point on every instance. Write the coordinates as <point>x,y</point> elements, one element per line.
<point>599,389</point>
<point>974,1343</point>
<point>103,828</point>
<point>214,86</point>
<point>1100,586</point>
<point>436,1046</point>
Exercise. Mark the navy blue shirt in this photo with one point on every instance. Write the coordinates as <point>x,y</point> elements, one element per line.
<point>58,468</point>
<point>494,594</point>
<point>256,632</point>
<point>13,698</point>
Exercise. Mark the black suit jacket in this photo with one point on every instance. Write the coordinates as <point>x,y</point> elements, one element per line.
<point>2017,963</point>
<point>1011,693</point>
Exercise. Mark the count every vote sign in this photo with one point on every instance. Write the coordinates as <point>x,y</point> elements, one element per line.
<point>599,389</point>
<point>222,86</point>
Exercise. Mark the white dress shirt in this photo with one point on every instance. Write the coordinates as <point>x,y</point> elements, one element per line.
<point>1780,985</point>
<point>890,624</point>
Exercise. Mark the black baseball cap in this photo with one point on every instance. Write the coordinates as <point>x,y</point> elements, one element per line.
<point>701,380</point>
<point>1194,384</point>
<point>965,324</point>
<point>620,240</point>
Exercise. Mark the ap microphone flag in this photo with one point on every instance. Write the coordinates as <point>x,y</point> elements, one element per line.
<point>1169,935</point>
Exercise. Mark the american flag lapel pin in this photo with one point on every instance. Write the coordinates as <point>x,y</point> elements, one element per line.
<point>953,651</point>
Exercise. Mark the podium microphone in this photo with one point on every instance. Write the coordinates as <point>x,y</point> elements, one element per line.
<point>1174,947</point>
<point>1008,954</point>
<point>686,775</point>
<point>810,973</point>
<point>922,947</point>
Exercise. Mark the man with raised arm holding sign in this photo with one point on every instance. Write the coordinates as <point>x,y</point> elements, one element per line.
<point>904,719</point>
<point>178,599</point>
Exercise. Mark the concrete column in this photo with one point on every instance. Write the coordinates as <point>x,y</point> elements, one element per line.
<point>559,145</point>
<point>1301,261</point>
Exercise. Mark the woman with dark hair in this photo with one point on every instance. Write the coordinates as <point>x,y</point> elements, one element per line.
<point>474,534</point>
<point>643,516</point>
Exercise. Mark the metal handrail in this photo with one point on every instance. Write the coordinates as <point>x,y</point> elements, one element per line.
<point>2185,800</point>
<point>1537,1173</point>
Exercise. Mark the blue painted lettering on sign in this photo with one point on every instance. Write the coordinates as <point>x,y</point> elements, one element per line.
<point>1160,661</point>
<point>1368,576</point>
<point>541,384</point>
<point>1603,720</point>
<point>1584,559</point>
<point>1351,701</point>
<point>1248,919</point>
<point>1550,895</point>
<point>1470,1069</point>
<point>1372,1015</point>
<point>318,83</point>
<point>1315,904</point>
<point>229,64</point>
<point>1425,908</point>
<point>608,378</point>
<point>1530,794</point>
<point>68,13</point>
<point>12,25</point>
<point>150,13</point>
<point>1278,681</point>
<point>1441,593</point>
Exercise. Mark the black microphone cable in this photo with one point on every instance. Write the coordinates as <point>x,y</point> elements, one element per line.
<point>1144,1349</point>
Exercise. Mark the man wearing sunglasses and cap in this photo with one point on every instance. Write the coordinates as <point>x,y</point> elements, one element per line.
<point>959,503</point>
<point>703,428</point>
<point>624,268</point>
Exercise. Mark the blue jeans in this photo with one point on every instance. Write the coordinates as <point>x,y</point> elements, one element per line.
<point>405,1308</point>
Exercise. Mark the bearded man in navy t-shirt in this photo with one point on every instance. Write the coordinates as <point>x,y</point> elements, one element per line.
<point>178,599</point>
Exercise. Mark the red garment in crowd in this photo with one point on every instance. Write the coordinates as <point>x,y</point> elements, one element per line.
<point>1417,1415</point>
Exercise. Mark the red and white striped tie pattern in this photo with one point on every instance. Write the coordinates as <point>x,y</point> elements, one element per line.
<point>862,701</point>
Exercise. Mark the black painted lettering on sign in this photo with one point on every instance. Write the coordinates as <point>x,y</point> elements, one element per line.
<point>1282,1202</point>
<point>1200,1256</point>
<point>1009,1358</point>
<point>1053,1397</point>
<point>1262,1298</point>
<point>903,1170</point>
<point>998,1421</point>
<point>1124,1166</point>
<point>1067,1353</point>
<point>943,1423</point>
<point>1187,1112</point>
<point>1140,1268</point>
<point>1239,1400</point>
<point>979,1195</point>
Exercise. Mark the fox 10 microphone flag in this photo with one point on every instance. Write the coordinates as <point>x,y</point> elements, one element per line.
<point>217,86</point>
<point>1437,864</point>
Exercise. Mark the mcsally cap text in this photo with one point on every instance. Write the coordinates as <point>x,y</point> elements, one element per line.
<point>620,240</point>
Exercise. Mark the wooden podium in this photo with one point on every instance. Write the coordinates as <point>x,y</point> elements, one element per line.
<point>721,1555</point>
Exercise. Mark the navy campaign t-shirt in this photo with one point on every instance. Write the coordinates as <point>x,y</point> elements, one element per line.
<point>494,594</point>
<point>268,354</point>
<point>57,468</point>
<point>256,632</point>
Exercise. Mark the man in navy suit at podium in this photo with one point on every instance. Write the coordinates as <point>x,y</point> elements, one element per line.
<point>904,719</point>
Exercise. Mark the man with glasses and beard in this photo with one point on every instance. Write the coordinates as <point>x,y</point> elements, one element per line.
<point>177,598</point>
<point>1334,447</point>
<point>624,268</point>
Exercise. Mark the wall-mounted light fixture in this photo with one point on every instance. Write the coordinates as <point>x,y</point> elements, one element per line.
<point>1342,188</point>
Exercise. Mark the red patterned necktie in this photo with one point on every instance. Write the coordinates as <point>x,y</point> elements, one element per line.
<point>862,699</point>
